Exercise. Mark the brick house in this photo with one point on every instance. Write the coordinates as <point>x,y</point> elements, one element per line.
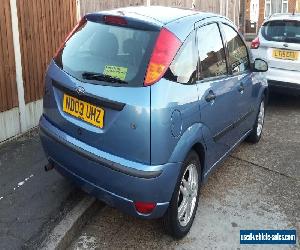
<point>258,10</point>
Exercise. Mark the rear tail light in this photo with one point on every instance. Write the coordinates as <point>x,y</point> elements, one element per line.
<point>166,47</point>
<point>78,25</point>
<point>255,43</point>
<point>115,20</point>
<point>144,207</point>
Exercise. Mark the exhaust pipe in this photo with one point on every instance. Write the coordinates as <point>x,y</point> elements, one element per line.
<point>49,166</point>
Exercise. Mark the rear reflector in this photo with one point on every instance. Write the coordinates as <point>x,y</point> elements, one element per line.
<point>166,47</point>
<point>255,43</point>
<point>144,207</point>
<point>115,20</point>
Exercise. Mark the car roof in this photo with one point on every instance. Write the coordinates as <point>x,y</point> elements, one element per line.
<point>285,16</point>
<point>160,14</point>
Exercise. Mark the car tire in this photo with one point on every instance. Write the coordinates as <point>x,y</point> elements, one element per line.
<point>256,133</point>
<point>185,198</point>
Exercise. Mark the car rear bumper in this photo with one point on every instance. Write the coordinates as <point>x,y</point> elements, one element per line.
<point>283,81</point>
<point>114,180</point>
<point>284,87</point>
<point>282,75</point>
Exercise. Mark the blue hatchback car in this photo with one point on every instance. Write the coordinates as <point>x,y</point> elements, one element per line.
<point>142,103</point>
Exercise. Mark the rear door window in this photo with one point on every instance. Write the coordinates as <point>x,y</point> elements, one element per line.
<point>238,53</point>
<point>106,54</point>
<point>282,31</point>
<point>183,68</point>
<point>211,51</point>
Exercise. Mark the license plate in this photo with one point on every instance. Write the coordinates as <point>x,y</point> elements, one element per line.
<point>285,54</point>
<point>84,111</point>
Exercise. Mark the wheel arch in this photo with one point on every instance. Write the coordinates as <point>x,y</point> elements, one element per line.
<point>199,148</point>
<point>266,94</point>
<point>192,138</point>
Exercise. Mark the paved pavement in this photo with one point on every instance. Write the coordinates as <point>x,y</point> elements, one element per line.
<point>31,200</point>
<point>258,187</point>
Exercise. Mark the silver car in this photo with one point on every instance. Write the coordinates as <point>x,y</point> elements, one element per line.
<point>278,42</point>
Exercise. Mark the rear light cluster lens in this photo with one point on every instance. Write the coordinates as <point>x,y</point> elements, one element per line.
<point>144,207</point>
<point>78,25</point>
<point>255,43</point>
<point>166,47</point>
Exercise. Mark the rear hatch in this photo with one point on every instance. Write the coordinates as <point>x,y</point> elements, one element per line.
<point>95,85</point>
<point>280,44</point>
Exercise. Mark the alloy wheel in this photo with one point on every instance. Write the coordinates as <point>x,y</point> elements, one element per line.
<point>187,195</point>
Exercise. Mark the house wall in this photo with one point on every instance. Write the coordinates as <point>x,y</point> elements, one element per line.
<point>261,13</point>
<point>293,5</point>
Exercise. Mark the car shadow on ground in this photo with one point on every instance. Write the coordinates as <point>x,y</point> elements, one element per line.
<point>283,100</point>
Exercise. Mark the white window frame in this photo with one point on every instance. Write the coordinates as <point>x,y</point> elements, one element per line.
<point>269,2</point>
<point>287,6</point>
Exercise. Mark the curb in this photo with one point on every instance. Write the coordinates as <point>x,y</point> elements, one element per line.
<point>63,233</point>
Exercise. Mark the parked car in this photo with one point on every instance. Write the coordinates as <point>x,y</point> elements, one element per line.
<point>278,43</point>
<point>142,103</point>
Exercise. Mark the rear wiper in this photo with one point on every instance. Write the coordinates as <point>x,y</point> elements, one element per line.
<point>101,77</point>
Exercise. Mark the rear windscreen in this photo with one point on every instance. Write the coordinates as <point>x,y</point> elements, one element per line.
<point>282,31</point>
<point>107,55</point>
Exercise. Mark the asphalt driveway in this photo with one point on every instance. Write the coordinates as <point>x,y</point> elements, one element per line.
<point>258,187</point>
<point>31,200</point>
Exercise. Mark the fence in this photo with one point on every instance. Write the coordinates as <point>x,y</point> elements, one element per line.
<point>87,6</point>
<point>31,31</point>
<point>8,88</point>
<point>229,8</point>
<point>43,25</point>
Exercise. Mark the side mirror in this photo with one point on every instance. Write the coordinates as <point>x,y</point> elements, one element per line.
<point>260,65</point>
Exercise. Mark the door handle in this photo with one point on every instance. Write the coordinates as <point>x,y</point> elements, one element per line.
<point>241,88</point>
<point>211,96</point>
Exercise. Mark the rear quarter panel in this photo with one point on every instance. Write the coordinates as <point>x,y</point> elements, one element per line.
<point>174,113</point>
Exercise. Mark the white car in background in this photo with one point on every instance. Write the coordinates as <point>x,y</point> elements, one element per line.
<point>278,43</point>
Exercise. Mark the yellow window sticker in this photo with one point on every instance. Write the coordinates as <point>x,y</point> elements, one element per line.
<point>116,72</point>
